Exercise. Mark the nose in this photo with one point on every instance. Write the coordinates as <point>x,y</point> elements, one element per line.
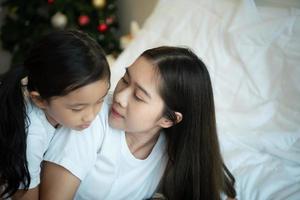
<point>121,97</point>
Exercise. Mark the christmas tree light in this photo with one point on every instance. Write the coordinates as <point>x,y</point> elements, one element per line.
<point>27,21</point>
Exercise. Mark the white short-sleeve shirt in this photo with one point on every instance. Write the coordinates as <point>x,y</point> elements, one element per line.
<point>40,133</point>
<point>108,170</point>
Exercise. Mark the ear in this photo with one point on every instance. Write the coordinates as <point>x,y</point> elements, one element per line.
<point>167,123</point>
<point>37,99</point>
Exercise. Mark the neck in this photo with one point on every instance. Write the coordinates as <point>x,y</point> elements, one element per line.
<point>141,144</point>
<point>51,120</point>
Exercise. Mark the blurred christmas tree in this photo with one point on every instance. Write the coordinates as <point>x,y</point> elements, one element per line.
<point>26,21</point>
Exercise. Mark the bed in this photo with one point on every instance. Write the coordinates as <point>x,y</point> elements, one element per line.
<point>252,51</point>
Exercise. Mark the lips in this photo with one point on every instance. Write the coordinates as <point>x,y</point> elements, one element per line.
<point>85,125</point>
<point>115,113</point>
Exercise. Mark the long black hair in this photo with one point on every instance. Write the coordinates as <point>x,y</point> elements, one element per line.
<point>195,168</point>
<point>59,63</point>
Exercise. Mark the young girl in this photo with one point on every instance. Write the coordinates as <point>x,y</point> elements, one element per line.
<point>158,135</point>
<point>68,77</point>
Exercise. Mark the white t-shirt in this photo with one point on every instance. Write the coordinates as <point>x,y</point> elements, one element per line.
<point>40,133</point>
<point>108,170</point>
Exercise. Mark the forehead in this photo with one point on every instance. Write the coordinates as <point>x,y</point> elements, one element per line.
<point>145,74</point>
<point>86,94</point>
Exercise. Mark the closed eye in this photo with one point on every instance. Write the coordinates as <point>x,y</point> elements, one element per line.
<point>137,98</point>
<point>76,109</point>
<point>124,81</point>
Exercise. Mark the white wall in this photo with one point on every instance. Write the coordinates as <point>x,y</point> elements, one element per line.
<point>137,10</point>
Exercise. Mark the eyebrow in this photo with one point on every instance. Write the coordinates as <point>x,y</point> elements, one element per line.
<point>139,86</point>
<point>84,104</point>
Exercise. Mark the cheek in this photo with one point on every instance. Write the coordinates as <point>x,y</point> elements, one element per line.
<point>118,87</point>
<point>65,115</point>
<point>143,116</point>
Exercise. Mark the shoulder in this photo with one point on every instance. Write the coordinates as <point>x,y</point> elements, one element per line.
<point>73,150</point>
<point>33,113</point>
<point>39,135</point>
<point>37,121</point>
<point>76,151</point>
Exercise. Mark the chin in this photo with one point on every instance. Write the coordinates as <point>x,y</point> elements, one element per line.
<point>114,124</point>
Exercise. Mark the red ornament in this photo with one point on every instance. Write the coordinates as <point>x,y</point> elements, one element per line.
<point>51,1</point>
<point>109,20</point>
<point>102,27</point>
<point>83,20</point>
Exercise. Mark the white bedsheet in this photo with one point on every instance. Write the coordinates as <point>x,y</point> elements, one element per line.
<point>252,50</point>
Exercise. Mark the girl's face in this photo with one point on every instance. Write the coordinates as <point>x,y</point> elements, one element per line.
<point>79,108</point>
<point>137,106</point>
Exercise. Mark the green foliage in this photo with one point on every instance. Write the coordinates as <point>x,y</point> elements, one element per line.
<point>26,21</point>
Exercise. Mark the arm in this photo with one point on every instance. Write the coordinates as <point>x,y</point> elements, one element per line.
<point>31,194</point>
<point>57,183</point>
